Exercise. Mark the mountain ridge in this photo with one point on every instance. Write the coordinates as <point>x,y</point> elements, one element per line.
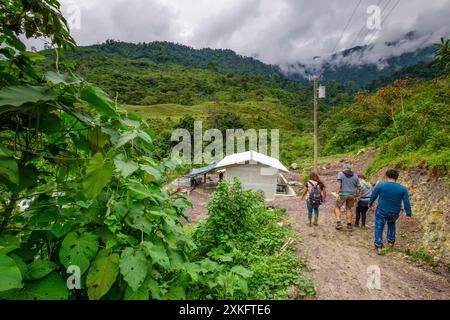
<point>227,61</point>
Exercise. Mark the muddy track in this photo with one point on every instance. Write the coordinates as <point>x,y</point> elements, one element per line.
<point>338,260</point>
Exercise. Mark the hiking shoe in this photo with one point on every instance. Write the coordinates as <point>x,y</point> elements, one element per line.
<point>349,227</point>
<point>379,251</point>
<point>391,244</point>
<point>338,225</point>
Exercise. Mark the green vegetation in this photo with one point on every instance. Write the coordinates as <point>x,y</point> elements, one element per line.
<point>93,186</point>
<point>164,90</point>
<point>224,61</point>
<point>295,142</point>
<point>419,255</point>
<point>94,189</point>
<point>408,121</point>
<point>241,230</point>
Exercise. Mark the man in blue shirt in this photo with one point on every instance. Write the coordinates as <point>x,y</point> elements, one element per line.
<point>390,196</point>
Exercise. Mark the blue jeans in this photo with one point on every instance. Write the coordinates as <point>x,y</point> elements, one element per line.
<point>310,211</point>
<point>381,219</point>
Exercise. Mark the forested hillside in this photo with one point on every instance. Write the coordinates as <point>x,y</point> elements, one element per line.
<point>145,75</point>
<point>225,61</point>
<point>354,76</point>
<point>409,121</point>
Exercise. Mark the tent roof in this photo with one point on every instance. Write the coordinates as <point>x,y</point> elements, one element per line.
<point>241,158</point>
<point>201,171</point>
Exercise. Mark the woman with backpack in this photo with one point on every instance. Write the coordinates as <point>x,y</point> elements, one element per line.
<point>315,189</point>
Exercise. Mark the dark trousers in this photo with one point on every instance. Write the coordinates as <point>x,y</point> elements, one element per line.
<point>381,219</point>
<point>361,214</point>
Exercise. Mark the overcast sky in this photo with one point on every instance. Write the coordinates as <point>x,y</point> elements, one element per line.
<point>275,31</point>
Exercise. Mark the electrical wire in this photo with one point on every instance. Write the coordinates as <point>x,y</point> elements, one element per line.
<point>361,31</point>
<point>384,20</point>
<point>346,26</point>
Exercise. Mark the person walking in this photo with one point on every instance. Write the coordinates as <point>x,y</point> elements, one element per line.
<point>390,195</point>
<point>317,195</point>
<point>363,202</point>
<point>347,190</point>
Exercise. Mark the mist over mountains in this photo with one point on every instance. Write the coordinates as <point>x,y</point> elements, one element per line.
<point>357,67</point>
<point>365,64</point>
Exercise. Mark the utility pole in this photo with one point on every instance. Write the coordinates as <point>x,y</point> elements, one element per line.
<point>316,124</point>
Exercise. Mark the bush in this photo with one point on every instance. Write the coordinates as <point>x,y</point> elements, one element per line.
<point>240,230</point>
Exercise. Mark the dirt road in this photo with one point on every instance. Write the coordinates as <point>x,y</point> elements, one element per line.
<point>339,260</point>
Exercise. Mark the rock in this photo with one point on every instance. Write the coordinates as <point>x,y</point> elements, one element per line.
<point>294,166</point>
<point>314,268</point>
<point>436,259</point>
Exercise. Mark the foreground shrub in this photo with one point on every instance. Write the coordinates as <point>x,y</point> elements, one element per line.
<point>240,230</point>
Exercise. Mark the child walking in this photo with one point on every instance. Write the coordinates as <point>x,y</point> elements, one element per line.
<point>317,195</point>
<point>363,203</point>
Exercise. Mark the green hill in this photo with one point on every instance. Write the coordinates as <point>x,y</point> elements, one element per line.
<point>408,121</point>
<point>295,143</point>
<point>226,61</point>
<point>167,90</point>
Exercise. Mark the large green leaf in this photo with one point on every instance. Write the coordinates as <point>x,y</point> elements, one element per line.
<point>138,190</point>
<point>52,287</point>
<point>10,276</point>
<point>126,138</point>
<point>57,78</point>
<point>138,219</point>
<point>39,269</point>
<point>13,97</point>
<point>33,56</point>
<point>98,100</point>
<point>4,152</point>
<point>133,267</point>
<point>78,250</point>
<point>141,294</point>
<point>158,254</point>
<point>8,243</point>
<point>102,274</point>
<point>154,173</point>
<point>99,172</point>
<point>8,165</point>
<point>125,167</point>
<point>243,272</point>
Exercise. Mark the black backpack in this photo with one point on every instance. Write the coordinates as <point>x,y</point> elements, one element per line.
<point>315,195</point>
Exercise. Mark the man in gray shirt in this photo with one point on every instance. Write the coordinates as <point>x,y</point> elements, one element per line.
<point>347,190</point>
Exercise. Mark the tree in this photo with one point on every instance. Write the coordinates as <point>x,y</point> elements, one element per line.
<point>443,53</point>
<point>226,120</point>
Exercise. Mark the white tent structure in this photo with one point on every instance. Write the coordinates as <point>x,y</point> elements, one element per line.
<point>256,172</point>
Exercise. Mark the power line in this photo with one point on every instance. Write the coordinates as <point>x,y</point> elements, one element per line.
<point>345,29</point>
<point>384,20</point>
<point>361,31</point>
<point>369,30</point>
<point>346,26</point>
